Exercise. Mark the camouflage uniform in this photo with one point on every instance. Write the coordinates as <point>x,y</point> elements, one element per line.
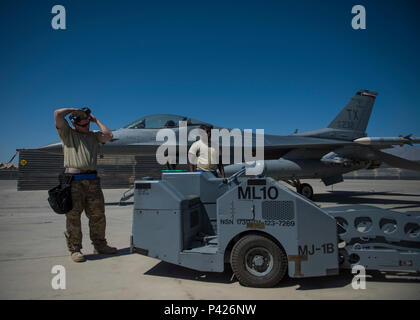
<point>87,195</point>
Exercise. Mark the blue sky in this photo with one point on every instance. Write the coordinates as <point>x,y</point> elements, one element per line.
<point>277,65</point>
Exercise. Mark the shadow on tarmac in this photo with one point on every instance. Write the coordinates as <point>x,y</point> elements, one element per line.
<point>345,278</point>
<point>120,252</point>
<point>165,269</point>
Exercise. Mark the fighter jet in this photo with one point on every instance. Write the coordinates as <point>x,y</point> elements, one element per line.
<point>343,146</point>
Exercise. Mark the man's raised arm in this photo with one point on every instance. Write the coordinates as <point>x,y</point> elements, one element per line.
<point>59,116</point>
<point>106,133</point>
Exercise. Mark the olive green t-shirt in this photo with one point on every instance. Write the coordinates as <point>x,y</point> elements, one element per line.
<point>80,149</point>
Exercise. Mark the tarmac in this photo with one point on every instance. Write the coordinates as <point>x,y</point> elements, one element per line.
<point>32,243</point>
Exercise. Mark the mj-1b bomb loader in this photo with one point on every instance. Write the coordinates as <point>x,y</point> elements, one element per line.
<point>264,230</point>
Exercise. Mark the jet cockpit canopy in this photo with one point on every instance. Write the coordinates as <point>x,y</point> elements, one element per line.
<point>160,121</point>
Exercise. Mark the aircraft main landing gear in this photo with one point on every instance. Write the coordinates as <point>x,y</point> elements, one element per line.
<point>304,189</point>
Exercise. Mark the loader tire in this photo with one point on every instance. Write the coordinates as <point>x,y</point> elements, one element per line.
<point>258,262</point>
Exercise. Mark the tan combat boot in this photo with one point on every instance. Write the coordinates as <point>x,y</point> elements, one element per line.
<point>78,257</point>
<point>105,249</point>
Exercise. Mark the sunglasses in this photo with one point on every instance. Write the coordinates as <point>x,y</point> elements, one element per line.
<point>83,125</point>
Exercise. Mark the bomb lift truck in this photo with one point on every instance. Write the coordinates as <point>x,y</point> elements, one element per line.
<point>265,230</point>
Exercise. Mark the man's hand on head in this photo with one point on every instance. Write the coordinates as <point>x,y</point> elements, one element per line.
<point>93,118</point>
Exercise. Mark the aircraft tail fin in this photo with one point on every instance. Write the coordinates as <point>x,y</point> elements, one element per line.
<point>355,115</point>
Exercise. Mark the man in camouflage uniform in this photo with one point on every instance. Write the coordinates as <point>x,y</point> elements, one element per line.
<point>80,147</point>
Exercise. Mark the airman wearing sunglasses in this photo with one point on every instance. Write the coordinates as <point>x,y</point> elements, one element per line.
<point>80,148</point>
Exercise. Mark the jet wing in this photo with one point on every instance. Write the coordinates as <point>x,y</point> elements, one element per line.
<point>291,142</point>
<point>277,146</point>
<point>398,162</point>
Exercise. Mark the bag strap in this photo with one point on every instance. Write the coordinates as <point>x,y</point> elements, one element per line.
<point>65,179</point>
<point>68,179</point>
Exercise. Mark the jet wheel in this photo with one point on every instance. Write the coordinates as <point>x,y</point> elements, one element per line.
<point>306,190</point>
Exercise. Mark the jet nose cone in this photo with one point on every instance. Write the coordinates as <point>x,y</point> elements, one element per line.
<point>115,136</point>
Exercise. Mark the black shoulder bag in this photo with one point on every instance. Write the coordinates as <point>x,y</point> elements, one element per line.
<point>60,196</point>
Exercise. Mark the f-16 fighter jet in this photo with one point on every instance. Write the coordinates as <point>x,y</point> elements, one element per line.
<point>343,146</point>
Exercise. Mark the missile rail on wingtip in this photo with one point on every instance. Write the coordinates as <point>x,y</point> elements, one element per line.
<point>385,141</point>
